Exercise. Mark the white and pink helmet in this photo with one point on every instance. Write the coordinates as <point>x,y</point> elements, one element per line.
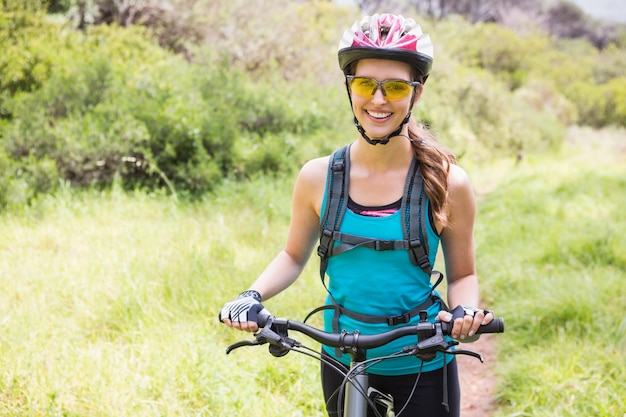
<point>387,36</point>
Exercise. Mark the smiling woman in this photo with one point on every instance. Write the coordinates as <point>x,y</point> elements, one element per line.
<point>379,259</point>
<point>388,40</point>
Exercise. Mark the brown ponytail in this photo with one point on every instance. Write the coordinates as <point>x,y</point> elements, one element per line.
<point>435,160</point>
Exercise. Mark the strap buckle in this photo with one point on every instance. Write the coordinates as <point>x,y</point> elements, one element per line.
<point>399,319</point>
<point>338,166</point>
<point>326,239</point>
<point>381,245</point>
<point>414,243</point>
<point>419,256</point>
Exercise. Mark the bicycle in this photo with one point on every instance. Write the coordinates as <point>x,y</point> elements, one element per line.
<point>431,338</point>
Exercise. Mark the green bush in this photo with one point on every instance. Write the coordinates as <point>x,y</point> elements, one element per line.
<point>600,105</point>
<point>581,80</point>
<point>475,113</point>
<point>615,91</point>
<point>109,104</point>
<point>73,117</point>
<point>499,50</point>
<point>21,184</point>
<point>119,107</point>
<point>481,90</point>
<point>30,47</point>
<point>540,95</point>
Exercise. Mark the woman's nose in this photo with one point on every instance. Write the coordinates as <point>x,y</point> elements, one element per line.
<point>379,95</point>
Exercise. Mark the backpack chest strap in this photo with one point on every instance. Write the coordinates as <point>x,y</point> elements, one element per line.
<point>348,242</point>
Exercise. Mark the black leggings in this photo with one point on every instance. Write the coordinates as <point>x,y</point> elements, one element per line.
<point>425,402</point>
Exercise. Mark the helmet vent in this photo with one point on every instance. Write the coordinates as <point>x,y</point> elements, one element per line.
<point>384,32</point>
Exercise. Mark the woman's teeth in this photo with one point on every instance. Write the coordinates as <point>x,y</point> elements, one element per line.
<point>378,115</point>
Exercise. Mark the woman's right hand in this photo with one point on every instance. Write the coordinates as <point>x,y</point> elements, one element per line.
<point>242,312</point>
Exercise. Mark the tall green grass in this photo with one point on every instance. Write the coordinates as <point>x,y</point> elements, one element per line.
<point>109,301</point>
<point>552,256</point>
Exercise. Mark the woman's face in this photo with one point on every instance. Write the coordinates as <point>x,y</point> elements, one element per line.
<point>379,115</point>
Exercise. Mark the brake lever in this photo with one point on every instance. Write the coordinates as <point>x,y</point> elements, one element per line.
<point>280,343</point>
<point>426,350</point>
<point>468,353</point>
<point>243,343</point>
<point>266,335</point>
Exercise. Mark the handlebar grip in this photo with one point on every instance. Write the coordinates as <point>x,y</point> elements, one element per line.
<point>495,326</point>
<point>262,317</point>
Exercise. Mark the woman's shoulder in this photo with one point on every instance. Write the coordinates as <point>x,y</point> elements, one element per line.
<point>312,176</point>
<point>460,189</point>
<point>457,176</point>
<point>315,170</point>
<point>310,184</point>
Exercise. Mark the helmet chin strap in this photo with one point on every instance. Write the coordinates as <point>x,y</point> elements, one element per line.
<point>385,140</point>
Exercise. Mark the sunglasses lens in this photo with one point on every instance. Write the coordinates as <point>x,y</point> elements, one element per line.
<point>397,89</point>
<point>365,87</point>
<point>393,89</point>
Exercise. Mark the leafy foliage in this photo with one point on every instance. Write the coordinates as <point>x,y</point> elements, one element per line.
<point>114,106</point>
<point>109,104</point>
<point>577,75</point>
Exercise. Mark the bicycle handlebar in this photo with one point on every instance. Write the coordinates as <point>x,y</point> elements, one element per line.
<point>430,340</point>
<point>430,336</point>
<point>357,340</point>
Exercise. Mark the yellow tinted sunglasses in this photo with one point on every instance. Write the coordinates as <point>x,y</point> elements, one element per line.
<point>392,89</point>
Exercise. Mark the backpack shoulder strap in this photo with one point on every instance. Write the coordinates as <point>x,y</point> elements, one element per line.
<point>414,214</point>
<point>338,179</point>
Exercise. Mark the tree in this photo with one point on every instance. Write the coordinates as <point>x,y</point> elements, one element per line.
<point>566,20</point>
<point>476,10</point>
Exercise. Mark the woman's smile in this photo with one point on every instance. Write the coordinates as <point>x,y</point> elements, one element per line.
<point>378,115</point>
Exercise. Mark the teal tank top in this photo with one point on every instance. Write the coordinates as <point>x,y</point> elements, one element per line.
<point>380,283</point>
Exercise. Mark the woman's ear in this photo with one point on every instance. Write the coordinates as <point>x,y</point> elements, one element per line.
<point>418,93</point>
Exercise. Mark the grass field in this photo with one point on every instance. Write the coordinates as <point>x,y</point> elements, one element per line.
<point>109,301</point>
<point>553,255</point>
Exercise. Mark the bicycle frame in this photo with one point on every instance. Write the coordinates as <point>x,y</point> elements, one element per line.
<point>355,403</point>
<point>359,395</point>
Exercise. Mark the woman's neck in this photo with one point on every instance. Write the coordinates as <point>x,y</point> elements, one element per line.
<point>398,153</point>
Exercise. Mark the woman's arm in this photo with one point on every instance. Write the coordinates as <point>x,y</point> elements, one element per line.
<point>302,236</point>
<point>457,240</point>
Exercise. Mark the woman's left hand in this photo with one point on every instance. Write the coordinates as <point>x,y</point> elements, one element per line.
<point>467,320</point>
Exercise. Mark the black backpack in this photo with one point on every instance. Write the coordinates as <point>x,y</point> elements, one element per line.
<point>413,210</point>
<point>414,215</point>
